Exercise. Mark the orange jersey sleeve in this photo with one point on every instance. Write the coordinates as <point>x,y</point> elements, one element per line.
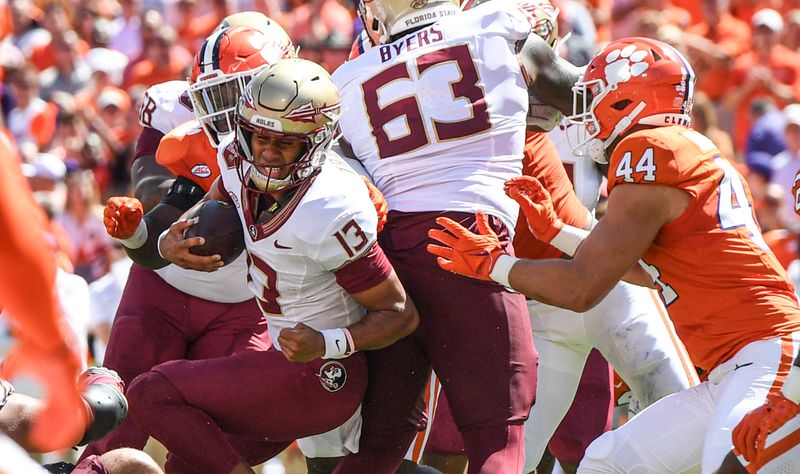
<point>722,285</point>
<point>541,161</point>
<point>187,152</point>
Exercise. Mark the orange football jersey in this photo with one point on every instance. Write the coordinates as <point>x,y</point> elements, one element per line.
<point>722,285</point>
<point>187,152</point>
<point>541,161</point>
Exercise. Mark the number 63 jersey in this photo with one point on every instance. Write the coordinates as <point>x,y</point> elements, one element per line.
<point>438,116</point>
<point>298,257</point>
<point>722,285</point>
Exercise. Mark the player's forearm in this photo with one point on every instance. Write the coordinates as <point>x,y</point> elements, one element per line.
<point>544,281</point>
<point>382,328</point>
<point>156,221</point>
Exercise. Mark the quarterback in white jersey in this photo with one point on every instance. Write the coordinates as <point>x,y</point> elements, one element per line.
<point>319,277</point>
<point>436,114</point>
<point>153,320</point>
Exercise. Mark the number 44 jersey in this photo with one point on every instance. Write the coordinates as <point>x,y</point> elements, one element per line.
<point>438,116</point>
<point>722,285</point>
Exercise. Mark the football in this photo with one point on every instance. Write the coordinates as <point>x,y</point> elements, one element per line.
<point>218,223</point>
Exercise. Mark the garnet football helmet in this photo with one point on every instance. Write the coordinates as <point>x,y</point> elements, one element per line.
<point>225,63</point>
<point>387,18</point>
<point>291,100</point>
<point>631,81</point>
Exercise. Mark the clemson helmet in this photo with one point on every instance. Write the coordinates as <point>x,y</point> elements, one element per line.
<point>225,63</point>
<point>262,23</point>
<point>291,100</point>
<point>386,18</point>
<point>631,81</point>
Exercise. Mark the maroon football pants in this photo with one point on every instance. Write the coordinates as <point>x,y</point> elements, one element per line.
<point>192,407</point>
<point>476,336</point>
<point>157,323</point>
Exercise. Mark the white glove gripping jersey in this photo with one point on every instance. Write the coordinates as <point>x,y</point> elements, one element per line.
<point>438,117</point>
<point>165,106</point>
<point>329,222</point>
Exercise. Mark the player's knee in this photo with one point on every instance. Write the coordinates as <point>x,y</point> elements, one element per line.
<point>148,390</point>
<point>612,453</point>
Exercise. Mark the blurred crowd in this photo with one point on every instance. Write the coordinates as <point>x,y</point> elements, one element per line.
<point>73,73</point>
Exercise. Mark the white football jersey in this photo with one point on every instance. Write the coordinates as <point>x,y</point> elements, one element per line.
<point>165,106</point>
<point>438,116</point>
<point>328,222</point>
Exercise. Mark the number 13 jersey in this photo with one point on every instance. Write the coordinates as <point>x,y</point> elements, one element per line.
<point>722,285</point>
<point>438,117</point>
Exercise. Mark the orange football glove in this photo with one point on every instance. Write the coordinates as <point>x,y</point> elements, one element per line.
<point>381,207</point>
<point>796,193</point>
<point>536,205</point>
<point>64,417</point>
<point>473,255</point>
<point>122,216</point>
<point>750,435</point>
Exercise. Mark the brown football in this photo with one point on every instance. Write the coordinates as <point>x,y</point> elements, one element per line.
<point>218,223</point>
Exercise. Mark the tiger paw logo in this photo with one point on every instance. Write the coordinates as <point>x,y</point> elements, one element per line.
<point>623,64</point>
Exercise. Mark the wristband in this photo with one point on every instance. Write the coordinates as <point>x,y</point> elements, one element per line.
<point>138,238</point>
<point>502,268</point>
<point>568,239</point>
<point>335,343</point>
<point>349,341</point>
<point>158,244</point>
<point>791,386</point>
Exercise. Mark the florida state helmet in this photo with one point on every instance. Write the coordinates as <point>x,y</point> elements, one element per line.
<point>225,63</point>
<point>291,100</point>
<point>631,81</point>
<point>386,18</point>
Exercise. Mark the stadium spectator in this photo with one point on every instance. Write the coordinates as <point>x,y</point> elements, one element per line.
<point>769,71</point>
<point>786,163</point>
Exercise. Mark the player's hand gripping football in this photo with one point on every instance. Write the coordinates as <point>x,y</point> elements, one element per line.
<point>122,215</point>
<point>750,435</point>
<point>175,248</point>
<point>536,205</point>
<point>381,207</point>
<point>464,252</point>
<point>301,343</point>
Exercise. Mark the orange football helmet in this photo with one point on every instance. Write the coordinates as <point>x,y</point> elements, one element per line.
<point>631,81</point>
<point>225,63</point>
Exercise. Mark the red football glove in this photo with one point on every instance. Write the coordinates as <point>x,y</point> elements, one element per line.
<point>750,435</point>
<point>536,205</point>
<point>381,207</point>
<point>122,216</point>
<point>473,255</point>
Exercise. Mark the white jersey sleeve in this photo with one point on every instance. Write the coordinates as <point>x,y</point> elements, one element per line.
<point>165,106</point>
<point>586,179</point>
<point>437,117</point>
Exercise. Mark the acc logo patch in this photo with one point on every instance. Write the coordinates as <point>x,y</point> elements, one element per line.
<point>332,375</point>
<point>201,170</point>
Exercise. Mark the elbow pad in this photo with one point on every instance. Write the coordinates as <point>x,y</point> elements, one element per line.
<point>105,403</point>
<point>183,194</point>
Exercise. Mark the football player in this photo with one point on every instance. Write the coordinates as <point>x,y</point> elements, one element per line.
<point>321,281</point>
<point>436,116</point>
<point>682,213</point>
<point>172,313</point>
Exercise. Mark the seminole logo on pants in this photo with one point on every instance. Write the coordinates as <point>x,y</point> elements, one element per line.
<point>332,375</point>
